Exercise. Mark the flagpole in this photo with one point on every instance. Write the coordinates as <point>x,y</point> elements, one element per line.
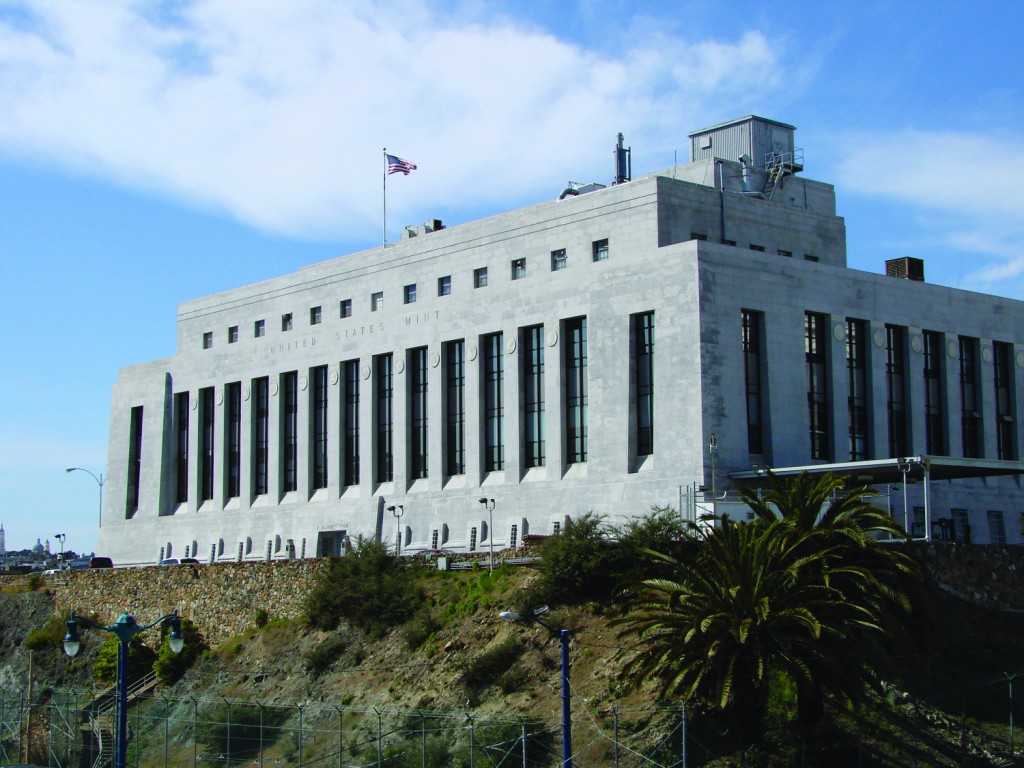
<point>384,228</point>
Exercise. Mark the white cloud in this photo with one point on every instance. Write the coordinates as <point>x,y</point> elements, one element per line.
<point>277,112</point>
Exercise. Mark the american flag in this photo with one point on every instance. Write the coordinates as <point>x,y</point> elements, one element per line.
<point>398,165</point>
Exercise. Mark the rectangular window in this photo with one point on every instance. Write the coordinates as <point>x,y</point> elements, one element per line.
<point>934,404</point>
<point>752,368</point>
<point>513,537</point>
<point>315,315</point>
<point>455,407</point>
<point>970,417</point>
<point>207,339</point>
<point>600,250</point>
<point>134,473</point>
<point>700,236</point>
<point>480,277</point>
<point>377,301</point>
<point>532,366</point>
<point>758,248</point>
<point>472,539</point>
<point>259,328</point>
<point>961,526</point>
<point>286,321</point>
<point>181,447</point>
<point>787,254</point>
<point>816,357</point>
<point>896,389</point>
<point>320,428</point>
<point>232,334</point>
<point>996,527</point>
<point>556,528</point>
<point>917,525</point>
<point>726,241</point>
<point>444,285</point>
<point>351,458</point>
<point>575,390</point>
<point>518,269</point>
<point>233,440</point>
<point>289,430</point>
<point>809,257</point>
<point>643,381</point>
<point>417,383</point>
<point>260,434</point>
<point>345,308</point>
<point>433,538</point>
<point>558,260</point>
<point>857,402</point>
<point>494,402</point>
<point>409,294</point>
<point>383,386</point>
<point>206,444</point>
<point>1002,361</point>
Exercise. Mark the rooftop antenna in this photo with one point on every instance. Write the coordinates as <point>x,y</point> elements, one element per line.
<point>623,162</point>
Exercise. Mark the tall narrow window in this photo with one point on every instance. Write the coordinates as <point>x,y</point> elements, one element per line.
<point>558,260</point>
<point>134,461</point>
<point>643,382</point>
<point>1002,360</point>
<point>289,430</point>
<point>857,402</point>
<point>532,346</point>
<point>384,393</point>
<point>934,405</point>
<point>320,429</point>
<point>260,434</point>
<point>494,402</point>
<point>181,448</point>
<point>896,391</point>
<point>206,444</point>
<point>351,460</point>
<point>996,527</point>
<point>518,269</point>
<point>417,382</point>
<point>752,379</point>
<point>815,346</point>
<point>600,250</point>
<point>576,390</point>
<point>969,407</point>
<point>233,440</point>
<point>961,526</point>
<point>455,407</point>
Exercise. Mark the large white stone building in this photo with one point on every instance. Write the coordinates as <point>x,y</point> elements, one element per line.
<point>654,342</point>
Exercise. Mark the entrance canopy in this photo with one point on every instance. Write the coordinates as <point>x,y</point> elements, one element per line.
<point>887,471</point>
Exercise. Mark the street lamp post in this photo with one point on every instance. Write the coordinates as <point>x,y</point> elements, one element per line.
<point>125,628</point>
<point>60,558</point>
<point>99,481</point>
<point>563,636</point>
<point>1009,680</point>
<point>904,467</point>
<point>489,506</point>
<point>397,511</point>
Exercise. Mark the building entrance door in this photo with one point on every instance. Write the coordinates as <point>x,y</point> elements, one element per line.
<point>330,543</point>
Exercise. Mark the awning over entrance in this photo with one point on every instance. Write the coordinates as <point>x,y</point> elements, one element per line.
<point>883,471</point>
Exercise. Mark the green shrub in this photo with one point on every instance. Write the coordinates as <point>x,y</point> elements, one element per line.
<point>320,658</point>
<point>170,666</point>
<point>48,636</point>
<point>420,629</point>
<point>486,667</point>
<point>233,732</point>
<point>513,679</point>
<point>582,563</point>
<point>370,588</point>
<point>261,619</point>
<point>140,660</point>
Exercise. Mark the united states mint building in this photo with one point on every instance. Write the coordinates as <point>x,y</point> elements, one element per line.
<point>657,341</point>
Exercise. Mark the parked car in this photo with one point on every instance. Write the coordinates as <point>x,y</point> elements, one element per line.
<point>101,562</point>
<point>179,561</point>
<point>79,564</point>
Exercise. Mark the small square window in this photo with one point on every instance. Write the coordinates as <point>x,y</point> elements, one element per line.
<point>377,301</point>
<point>286,321</point>
<point>232,334</point>
<point>444,285</point>
<point>480,277</point>
<point>558,260</point>
<point>518,269</point>
<point>808,257</point>
<point>346,307</point>
<point>410,293</point>
<point>259,328</point>
<point>207,339</point>
<point>314,315</point>
<point>759,248</point>
<point>787,254</point>
<point>600,250</point>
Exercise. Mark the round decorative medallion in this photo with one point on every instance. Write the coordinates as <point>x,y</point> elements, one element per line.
<point>194,403</point>
<point>878,337</point>
<point>366,371</point>
<point>471,352</point>
<point>220,397</point>
<point>245,394</point>
<point>986,354</point>
<point>838,331</point>
<point>435,359</point>
<point>303,383</point>
<point>510,346</point>
<point>273,389</point>
<point>952,349</point>
<point>400,366</point>
<point>551,337</point>
<point>334,377</point>
<point>916,344</point>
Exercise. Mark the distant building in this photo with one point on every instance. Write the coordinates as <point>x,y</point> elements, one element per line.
<point>3,540</point>
<point>656,342</point>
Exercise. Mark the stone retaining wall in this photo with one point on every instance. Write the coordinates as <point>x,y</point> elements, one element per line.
<point>987,575</point>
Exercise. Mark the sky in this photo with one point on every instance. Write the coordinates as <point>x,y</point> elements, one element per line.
<point>156,152</point>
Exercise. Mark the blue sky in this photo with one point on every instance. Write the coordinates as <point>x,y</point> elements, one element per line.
<point>155,152</point>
